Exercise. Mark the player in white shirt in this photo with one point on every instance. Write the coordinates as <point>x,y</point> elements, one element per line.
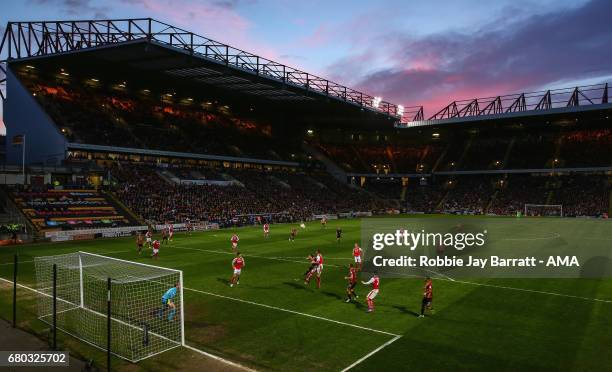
<point>318,269</point>
<point>357,255</point>
<point>375,282</point>
<point>235,239</point>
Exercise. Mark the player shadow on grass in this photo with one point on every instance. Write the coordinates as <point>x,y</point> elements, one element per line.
<point>226,282</point>
<point>405,310</point>
<point>334,295</point>
<point>298,286</point>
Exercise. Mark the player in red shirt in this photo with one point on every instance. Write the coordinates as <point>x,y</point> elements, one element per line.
<point>352,282</point>
<point>427,297</point>
<point>156,246</point>
<point>357,255</point>
<point>170,231</point>
<point>237,265</point>
<point>266,230</point>
<point>235,239</point>
<point>375,282</point>
<point>318,268</point>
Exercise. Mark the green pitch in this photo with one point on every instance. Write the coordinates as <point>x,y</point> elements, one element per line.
<point>272,321</point>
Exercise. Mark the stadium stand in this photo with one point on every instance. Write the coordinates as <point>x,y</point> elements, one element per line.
<point>70,209</point>
<point>580,195</point>
<point>278,196</point>
<point>117,117</point>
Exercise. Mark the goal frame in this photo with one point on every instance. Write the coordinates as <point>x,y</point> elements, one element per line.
<point>179,272</point>
<point>80,303</point>
<point>560,206</point>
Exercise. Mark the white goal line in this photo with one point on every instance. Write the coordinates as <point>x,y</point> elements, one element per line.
<point>228,362</point>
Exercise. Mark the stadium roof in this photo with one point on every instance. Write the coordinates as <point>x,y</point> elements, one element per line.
<point>588,99</point>
<point>178,53</point>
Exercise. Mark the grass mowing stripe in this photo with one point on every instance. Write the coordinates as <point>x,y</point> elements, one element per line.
<point>372,353</point>
<point>229,362</point>
<point>292,312</point>
<point>303,262</point>
<point>529,290</point>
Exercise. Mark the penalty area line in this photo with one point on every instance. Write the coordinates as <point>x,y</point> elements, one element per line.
<point>531,291</point>
<point>372,353</point>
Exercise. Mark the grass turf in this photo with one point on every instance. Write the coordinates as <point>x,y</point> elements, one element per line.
<point>475,326</point>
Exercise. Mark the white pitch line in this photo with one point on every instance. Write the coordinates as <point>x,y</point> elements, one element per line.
<point>372,353</point>
<point>304,262</point>
<point>20,262</point>
<point>326,258</point>
<point>213,356</point>
<point>292,312</point>
<point>30,261</point>
<point>554,236</point>
<point>532,291</point>
<point>443,277</point>
<point>229,362</point>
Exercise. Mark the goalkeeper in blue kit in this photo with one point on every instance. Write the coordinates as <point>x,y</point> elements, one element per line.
<point>167,302</point>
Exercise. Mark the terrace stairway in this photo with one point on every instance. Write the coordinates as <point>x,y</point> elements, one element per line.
<point>331,167</point>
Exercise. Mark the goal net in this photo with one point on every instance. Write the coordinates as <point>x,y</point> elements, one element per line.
<point>544,210</point>
<point>141,326</point>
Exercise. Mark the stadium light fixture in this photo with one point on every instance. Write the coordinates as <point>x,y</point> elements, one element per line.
<point>435,135</point>
<point>310,132</point>
<point>376,102</point>
<point>30,67</point>
<point>400,110</point>
<point>94,80</point>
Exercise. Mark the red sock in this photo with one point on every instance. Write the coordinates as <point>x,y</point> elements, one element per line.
<point>318,282</point>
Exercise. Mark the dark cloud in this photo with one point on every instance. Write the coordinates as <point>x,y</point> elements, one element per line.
<point>533,52</point>
<point>231,4</point>
<point>81,8</point>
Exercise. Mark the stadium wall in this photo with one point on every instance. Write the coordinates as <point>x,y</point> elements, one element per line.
<point>45,144</point>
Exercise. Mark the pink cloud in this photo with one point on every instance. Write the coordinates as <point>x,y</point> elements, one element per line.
<point>215,21</point>
<point>527,54</point>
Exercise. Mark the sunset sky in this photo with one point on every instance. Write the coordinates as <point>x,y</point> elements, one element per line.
<point>409,52</point>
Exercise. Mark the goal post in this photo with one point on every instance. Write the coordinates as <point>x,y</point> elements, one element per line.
<point>141,325</point>
<point>544,210</point>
